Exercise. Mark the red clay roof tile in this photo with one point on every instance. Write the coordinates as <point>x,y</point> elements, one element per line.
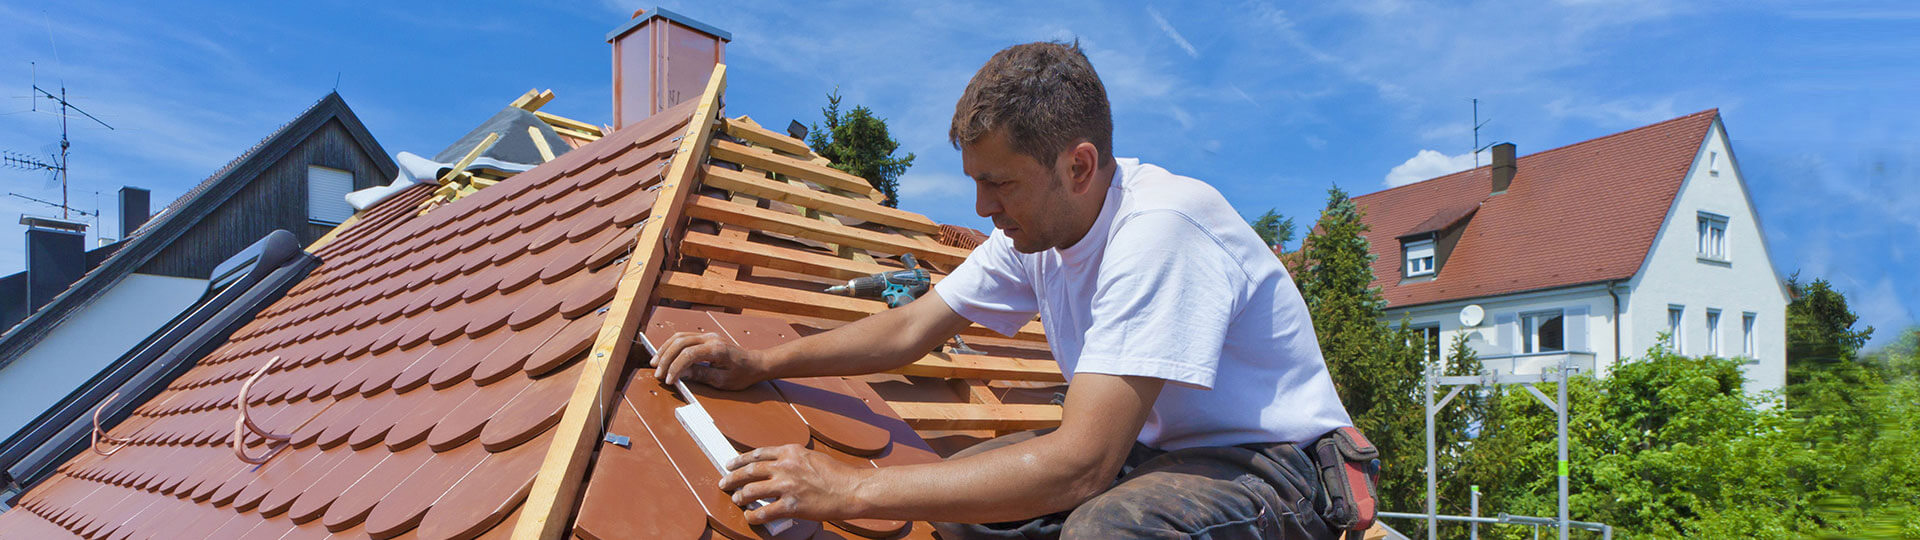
<point>1581,213</point>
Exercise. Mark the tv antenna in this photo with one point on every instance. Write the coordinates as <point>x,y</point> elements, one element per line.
<point>55,204</point>
<point>1477,124</point>
<point>58,164</point>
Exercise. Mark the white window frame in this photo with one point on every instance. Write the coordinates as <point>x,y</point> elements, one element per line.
<point>1430,337</point>
<point>1749,348</point>
<point>1530,324</point>
<point>1419,257</point>
<point>1713,163</point>
<point>1713,332</point>
<point>324,207</point>
<point>1712,242</point>
<point>1676,327</point>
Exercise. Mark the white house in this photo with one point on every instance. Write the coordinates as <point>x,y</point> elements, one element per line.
<point>1587,253</point>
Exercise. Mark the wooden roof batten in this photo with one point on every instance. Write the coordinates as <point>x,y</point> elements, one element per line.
<point>557,487</point>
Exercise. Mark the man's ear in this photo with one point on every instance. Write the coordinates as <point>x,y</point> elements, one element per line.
<point>1084,159</point>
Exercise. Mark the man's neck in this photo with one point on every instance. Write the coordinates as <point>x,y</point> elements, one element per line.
<point>1096,202</point>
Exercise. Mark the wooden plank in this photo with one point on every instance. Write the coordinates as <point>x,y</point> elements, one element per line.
<point>743,251</point>
<point>767,188</point>
<point>460,167</point>
<point>569,123</point>
<point>806,170</point>
<point>967,366</point>
<point>960,416</point>
<point>752,132</point>
<point>748,295</point>
<point>768,220</point>
<point>589,137</point>
<point>533,100</point>
<point>556,488</point>
<point>540,143</point>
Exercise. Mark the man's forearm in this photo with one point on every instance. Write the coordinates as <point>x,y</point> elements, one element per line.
<point>1032,478</point>
<point>873,344</point>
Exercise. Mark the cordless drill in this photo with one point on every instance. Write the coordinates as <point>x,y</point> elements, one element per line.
<point>897,287</point>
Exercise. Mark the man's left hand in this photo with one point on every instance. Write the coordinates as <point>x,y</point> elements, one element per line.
<point>800,483</point>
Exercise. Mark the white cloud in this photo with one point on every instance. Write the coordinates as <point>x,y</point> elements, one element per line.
<point>1427,164</point>
<point>1173,34</point>
<point>1316,142</point>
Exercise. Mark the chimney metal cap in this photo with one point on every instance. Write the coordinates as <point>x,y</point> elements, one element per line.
<point>641,17</point>
<point>53,224</point>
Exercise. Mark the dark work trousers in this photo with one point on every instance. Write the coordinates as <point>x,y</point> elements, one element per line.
<point>1267,491</point>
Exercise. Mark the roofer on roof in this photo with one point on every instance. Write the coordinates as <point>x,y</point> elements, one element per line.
<point>1195,382</point>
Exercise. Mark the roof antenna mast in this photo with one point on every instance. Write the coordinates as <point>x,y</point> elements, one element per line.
<point>1477,124</point>
<point>59,164</point>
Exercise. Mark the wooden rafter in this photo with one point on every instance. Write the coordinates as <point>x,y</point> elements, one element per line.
<point>562,122</point>
<point>749,295</point>
<point>819,174</point>
<point>556,487</point>
<point>746,129</point>
<point>741,182</point>
<point>966,366</point>
<point>977,416</point>
<point>540,143</point>
<point>830,232</point>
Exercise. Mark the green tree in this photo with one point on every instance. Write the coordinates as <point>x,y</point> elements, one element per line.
<point>1376,369</point>
<point>1274,230</point>
<point>1820,336</point>
<point>1669,446</point>
<point>857,142</point>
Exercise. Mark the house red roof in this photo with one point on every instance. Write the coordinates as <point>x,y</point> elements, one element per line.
<point>458,373</point>
<point>1582,213</point>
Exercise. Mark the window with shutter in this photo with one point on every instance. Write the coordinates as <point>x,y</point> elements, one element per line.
<point>327,190</point>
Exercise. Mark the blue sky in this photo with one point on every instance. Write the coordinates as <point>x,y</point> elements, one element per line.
<point>1271,102</point>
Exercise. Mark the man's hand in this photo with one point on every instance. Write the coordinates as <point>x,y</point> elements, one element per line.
<point>801,483</point>
<point>710,359</point>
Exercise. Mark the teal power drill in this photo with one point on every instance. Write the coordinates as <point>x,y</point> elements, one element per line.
<point>898,287</point>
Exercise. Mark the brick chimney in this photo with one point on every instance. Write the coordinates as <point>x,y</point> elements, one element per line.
<point>1503,167</point>
<point>661,58</point>
<point>134,209</point>
<point>56,257</point>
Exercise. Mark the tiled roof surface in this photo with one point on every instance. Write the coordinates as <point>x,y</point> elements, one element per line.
<point>420,367</point>
<point>961,237</point>
<point>1581,213</point>
<point>661,486</point>
<point>428,365</point>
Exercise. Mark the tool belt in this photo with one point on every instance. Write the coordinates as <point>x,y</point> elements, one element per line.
<point>1349,467</point>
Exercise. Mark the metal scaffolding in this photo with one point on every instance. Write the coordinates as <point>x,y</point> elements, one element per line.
<point>1459,382</point>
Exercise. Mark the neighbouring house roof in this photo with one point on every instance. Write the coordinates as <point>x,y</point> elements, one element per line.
<point>962,237</point>
<point>1582,213</point>
<point>456,373</point>
<point>173,221</point>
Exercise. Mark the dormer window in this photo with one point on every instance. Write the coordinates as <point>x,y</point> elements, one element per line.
<point>1419,257</point>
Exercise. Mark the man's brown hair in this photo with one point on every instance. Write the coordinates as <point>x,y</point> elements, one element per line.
<point>1044,94</point>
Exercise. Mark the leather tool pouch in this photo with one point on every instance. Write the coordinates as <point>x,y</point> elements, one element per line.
<point>1349,468</point>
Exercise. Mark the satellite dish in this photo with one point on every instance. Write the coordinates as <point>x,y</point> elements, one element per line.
<point>1471,315</point>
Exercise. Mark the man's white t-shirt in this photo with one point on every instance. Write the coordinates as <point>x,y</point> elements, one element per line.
<point>1169,283</point>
